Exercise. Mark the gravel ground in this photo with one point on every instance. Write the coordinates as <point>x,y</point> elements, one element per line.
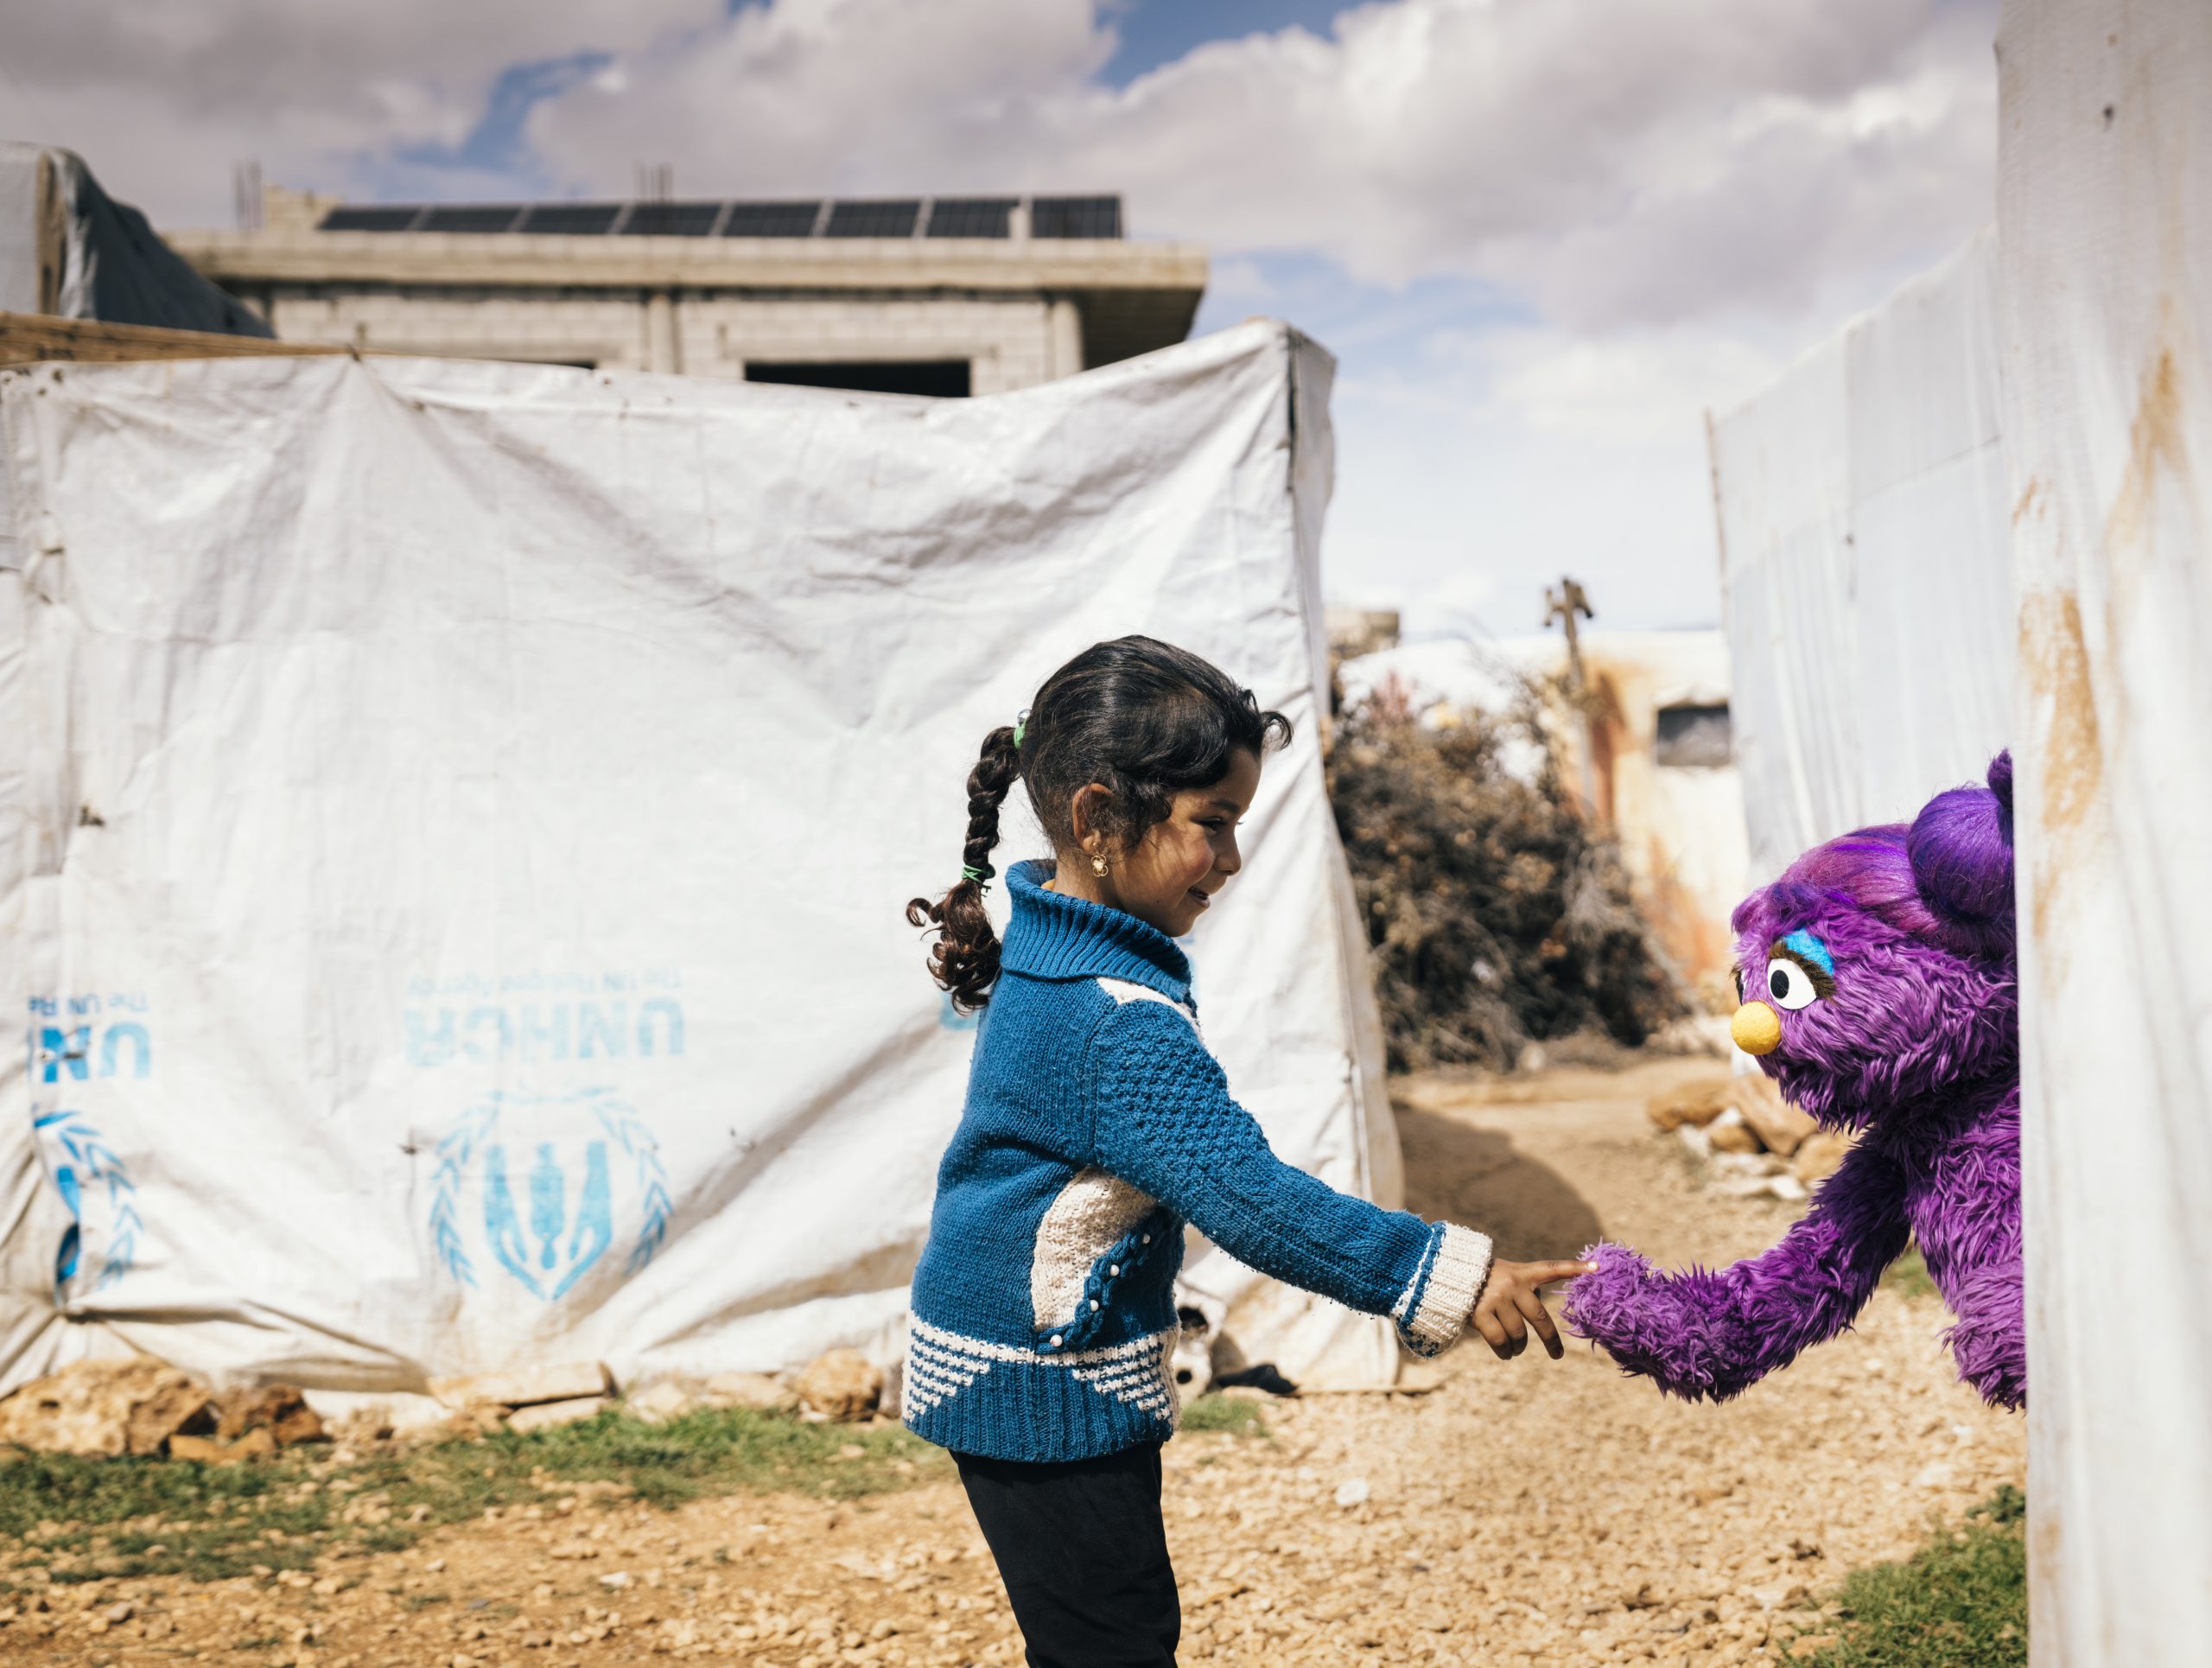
<point>1509,1514</point>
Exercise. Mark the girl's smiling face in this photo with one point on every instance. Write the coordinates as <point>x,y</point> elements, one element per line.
<point>1170,876</point>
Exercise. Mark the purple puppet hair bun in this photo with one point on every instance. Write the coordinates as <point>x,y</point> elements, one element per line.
<point>1961,848</point>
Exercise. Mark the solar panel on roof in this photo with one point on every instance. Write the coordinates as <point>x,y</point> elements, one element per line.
<point>571,220</point>
<point>971,217</point>
<point>889,219</point>
<point>1075,217</point>
<point>895,217</point>
<point>772,219</point>
<point>370,217</point>
<point>471,217</point>
<point>671,220</point>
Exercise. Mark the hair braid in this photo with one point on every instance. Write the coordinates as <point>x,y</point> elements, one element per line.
<point>965,958</point>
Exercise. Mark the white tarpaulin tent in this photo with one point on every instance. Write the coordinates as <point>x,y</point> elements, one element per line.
<point>2104,203</point>
<point>1864,566</point>
<point>458,818</point>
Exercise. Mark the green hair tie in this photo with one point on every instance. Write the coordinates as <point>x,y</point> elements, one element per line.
<point>1021,729</point>
<point>981,876</point>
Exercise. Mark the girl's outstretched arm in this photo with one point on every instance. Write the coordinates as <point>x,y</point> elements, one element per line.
<point>1709,1333</point>
<point>1164,1122</point>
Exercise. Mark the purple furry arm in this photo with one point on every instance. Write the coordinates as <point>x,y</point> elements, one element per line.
<point>1707,1334</point>
<point>1969,1228</point>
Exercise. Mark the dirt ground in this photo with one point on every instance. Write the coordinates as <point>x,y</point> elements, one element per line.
<point>1529,1512</point>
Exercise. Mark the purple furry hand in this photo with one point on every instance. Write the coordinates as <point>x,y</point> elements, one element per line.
<point>1705,1334</point>
<point>1679,1331</point>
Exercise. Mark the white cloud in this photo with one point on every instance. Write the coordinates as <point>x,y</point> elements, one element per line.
<point>162,100</point>
<point>1468,480</point>
<point>1616,164</point>
<point>841,95</point>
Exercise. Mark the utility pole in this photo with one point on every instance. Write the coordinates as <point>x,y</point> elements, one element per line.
<point>1562,603</point>
<point>1566,603</point>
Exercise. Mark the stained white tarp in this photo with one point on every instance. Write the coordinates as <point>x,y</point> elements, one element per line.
<point>2105,207</point>
<point>458,819</point>
<point>1864,573</point>
<point>69,249</point>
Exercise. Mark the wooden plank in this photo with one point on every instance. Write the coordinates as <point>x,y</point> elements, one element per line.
<point>35,338</point>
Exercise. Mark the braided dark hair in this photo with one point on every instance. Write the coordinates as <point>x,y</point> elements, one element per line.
<point>1143,719</point>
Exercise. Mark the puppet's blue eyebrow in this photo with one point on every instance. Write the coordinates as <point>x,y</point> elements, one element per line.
<point>1812,948</point>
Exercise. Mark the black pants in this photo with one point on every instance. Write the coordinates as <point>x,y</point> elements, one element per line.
<point>1083,1555</point>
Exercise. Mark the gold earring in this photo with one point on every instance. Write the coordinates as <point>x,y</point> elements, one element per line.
<point>1098,865</point>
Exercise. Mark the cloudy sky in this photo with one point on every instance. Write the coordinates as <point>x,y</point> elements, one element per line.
<point>1541,236</point>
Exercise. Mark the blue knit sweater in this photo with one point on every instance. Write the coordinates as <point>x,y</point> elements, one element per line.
<point>1096,1125</point>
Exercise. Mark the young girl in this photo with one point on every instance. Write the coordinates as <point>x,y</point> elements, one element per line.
<point>1096,1125</point>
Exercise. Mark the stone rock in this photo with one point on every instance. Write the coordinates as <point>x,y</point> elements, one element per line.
<point>365,1428</point>
<point>763,1392</point>
<point>548,1415</point>
<point>106,1409</point>
<point>1780,1127</point>
<point>525,1386</point>
<point>1354,1491</point>
<point>661,1402</point>
<point>280,1409</point>
<point>256,1444</point>
<point>1820,1155</point>
<point>844,1385</point>
<point>1730,1133</point>
<point>1780,1185</point>
<point>1747,1164</point>
<point>1696,1104</point>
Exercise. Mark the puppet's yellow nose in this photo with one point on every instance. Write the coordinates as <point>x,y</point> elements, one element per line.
<point>1756,1029</point>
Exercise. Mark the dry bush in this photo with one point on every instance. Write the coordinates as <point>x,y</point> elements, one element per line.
<point>1499,914</point>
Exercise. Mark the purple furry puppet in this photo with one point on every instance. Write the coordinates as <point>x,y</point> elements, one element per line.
<point>1882,967</point>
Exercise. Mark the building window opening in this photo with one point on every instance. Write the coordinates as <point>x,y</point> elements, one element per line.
<point>947,378</point>
<point>1694,736</point>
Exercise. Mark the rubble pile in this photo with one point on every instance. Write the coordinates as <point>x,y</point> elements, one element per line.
<point>1751,1140</point>
<point>138,1406</point>
<point>1500,915</point>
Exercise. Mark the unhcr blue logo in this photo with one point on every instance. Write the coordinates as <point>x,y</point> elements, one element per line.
<point>100,1245</point>
<point>542,1188</point>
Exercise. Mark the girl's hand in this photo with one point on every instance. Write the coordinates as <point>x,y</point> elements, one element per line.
<point>1510,1304</point>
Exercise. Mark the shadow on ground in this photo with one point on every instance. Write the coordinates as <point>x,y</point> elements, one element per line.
<point>1460,1173</point>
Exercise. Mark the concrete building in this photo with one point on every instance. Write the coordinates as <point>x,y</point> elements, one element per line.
<point>914,295</point>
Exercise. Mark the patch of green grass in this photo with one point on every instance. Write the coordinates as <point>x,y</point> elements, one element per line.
<point>1908,1276</point>
<point>91,1518</point>
<point>1232,1416</point>
<point>1961,1601</point>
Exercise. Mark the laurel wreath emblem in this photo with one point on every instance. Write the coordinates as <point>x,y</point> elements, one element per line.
<point>99,1166</point>
<point>476,1125</point>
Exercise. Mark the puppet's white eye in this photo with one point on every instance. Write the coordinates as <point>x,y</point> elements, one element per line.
<point>1790,985</point>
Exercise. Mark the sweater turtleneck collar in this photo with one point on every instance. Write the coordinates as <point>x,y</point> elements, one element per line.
<point>1054,936</point>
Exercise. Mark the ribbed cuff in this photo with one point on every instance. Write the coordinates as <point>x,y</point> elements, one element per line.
<point>1432,1311</point>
